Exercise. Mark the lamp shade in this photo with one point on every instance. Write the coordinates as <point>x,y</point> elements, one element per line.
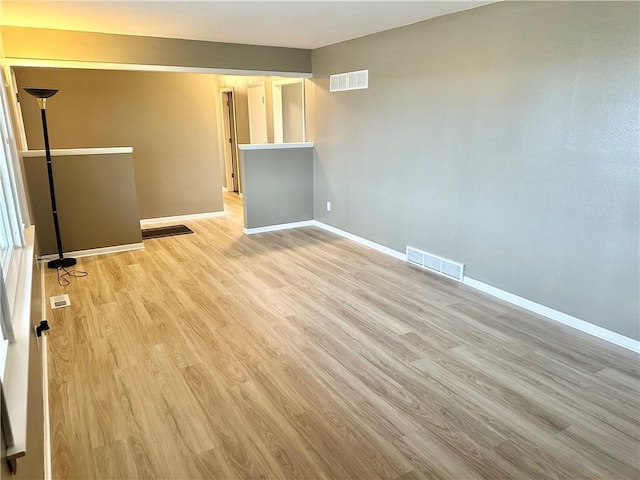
<point>41,92</point>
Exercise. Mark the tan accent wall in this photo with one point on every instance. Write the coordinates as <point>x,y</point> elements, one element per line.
<point>63,45</point>
<point>168,118</point>
<point>96,200</point>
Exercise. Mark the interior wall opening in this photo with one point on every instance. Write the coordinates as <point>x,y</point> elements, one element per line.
<point>257,110</point>
<point>170,163</point>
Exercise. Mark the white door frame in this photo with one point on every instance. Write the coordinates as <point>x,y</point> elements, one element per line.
<point>263,112</point>
<point>278,128</point>
<point>228,160</point>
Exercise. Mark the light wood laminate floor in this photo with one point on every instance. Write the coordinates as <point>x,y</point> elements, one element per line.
<point>298,354</point>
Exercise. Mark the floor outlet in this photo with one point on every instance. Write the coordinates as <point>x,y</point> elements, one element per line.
<point>60,301</point>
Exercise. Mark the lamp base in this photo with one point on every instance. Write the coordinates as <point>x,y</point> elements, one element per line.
<point>61,263</point>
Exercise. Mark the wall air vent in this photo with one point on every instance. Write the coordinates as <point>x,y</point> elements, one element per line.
<point>414,256</point>
<point>435,263</point>
<point>349,81</point>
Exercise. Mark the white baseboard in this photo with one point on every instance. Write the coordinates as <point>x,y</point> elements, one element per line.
<point>361,241</point>
<point>552,314</point>
<point>45,383</point>
<point>275,228</point>
<point>180,218</point>
<point>97,251</point>
<point>590,328</point>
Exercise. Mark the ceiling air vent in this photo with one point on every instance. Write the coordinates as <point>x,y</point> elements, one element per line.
<point>349,81</point>
<point>436,264</point>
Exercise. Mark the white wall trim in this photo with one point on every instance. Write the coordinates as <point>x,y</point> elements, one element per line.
<point>98,251</point>
<point>552,314</point>
<point>180,218</point>
<point>361,241</point>
<point>274,146</point>
<point>281,226</point>
<point>45,381</point>
<point>30,62</point>
<point>45,403</point>
<point>66,152</point>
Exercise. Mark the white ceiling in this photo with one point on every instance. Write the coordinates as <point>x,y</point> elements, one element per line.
<point>301,24</point>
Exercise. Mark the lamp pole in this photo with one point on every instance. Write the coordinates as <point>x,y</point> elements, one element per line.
<point>41,95</point>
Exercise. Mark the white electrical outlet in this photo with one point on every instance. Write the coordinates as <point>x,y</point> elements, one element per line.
<point>328,206</point>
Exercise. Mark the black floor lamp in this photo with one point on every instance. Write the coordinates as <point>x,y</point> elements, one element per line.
<point>42,94</point>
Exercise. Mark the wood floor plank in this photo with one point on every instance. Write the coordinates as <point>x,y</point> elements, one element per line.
<point>528,381</point>
<point>243,448</point>
<point>277,433</point>
<point>498,391</point>
<point>299,354</point>
<point>620,380</point>
<point>594,450</point>
<point>115,460</point>
<point>66,425</point>
<point>532,462</point>
<point>434,458</point>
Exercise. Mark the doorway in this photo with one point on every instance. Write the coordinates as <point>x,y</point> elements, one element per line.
<point>231,163</point>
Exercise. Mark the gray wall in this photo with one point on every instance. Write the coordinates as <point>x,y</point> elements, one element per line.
<point>96,200</point>
<point>45,44</point>
<point>278,186</point>
<point>504,137</point>
<point>168,118</point>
